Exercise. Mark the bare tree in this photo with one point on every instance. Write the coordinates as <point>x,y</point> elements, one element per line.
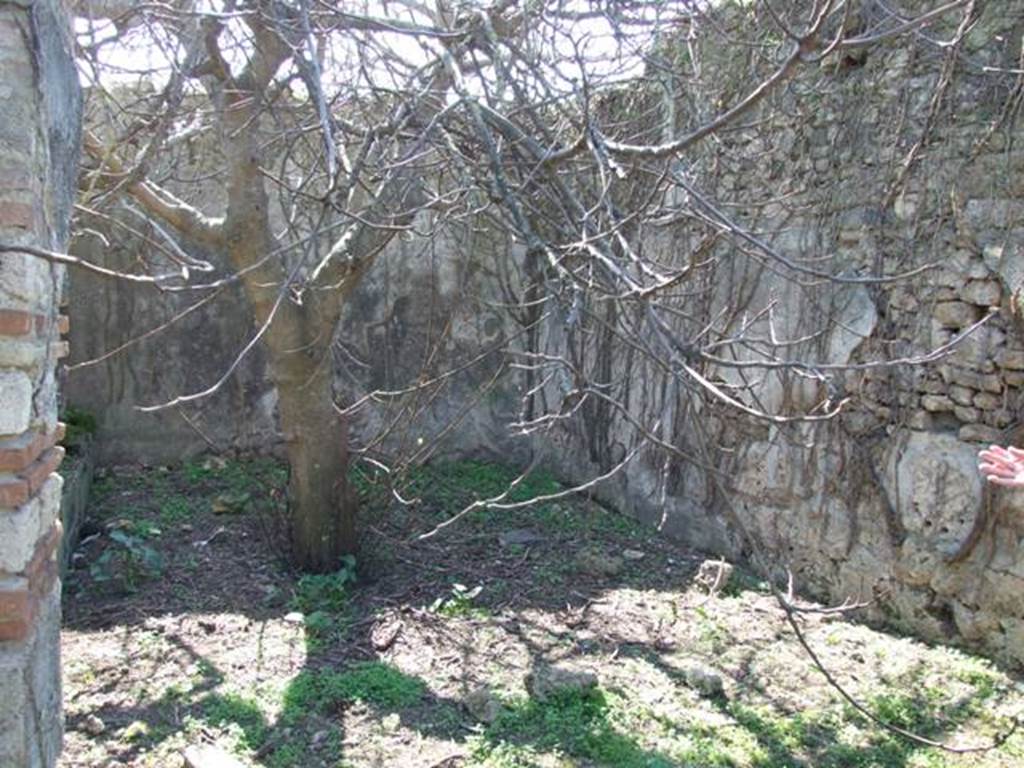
<point>574,126</point>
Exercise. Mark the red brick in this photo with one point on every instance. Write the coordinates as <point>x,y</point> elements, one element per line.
<point>17,609</point>
<point>16,454</point>
<point>63,324</point>
<point>18,215</point>
<point>13,493</point>
<point>47,464</point>
<point>16,323</point>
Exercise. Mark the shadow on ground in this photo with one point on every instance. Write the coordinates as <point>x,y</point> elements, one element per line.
<point>183,626</point>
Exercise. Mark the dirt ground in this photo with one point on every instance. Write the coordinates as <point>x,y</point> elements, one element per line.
<point>559,635</point>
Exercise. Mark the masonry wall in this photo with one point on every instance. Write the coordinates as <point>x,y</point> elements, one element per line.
<point>39,128</point>
<point>903,157</point>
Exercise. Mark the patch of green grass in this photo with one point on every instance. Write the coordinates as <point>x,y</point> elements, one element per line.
<point>240,715</point>
<point>375,683</point>
<point>450,486</point>
<point>196,471</point>
<point>842,738</point>
<point>710,630</point>
<point>322,629</point>
<point>291,754</point>
<point>175,509</point>
<point>578,724</point>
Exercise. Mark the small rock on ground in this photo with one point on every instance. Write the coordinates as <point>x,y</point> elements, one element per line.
<point>209,756</point>
<point>543,682</point>
<point>593,562</point>
<point>519,537</point>
<point>714,575</point>
<point>705,681</point>
<point>94,726</point>
<point>482,704</point>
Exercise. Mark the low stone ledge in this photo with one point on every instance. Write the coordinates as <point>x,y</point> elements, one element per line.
<point>78,470</point>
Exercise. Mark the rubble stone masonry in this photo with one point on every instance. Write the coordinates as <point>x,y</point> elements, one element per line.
<point>39,128</point>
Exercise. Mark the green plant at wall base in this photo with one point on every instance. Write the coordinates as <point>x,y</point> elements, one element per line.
<point>128,558</point>
<point>79,423</point>
<point>325,591</point>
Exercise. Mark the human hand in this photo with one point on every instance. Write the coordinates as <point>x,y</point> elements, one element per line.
<point>1003,466</point>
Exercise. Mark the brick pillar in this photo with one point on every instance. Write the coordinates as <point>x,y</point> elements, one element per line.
<point>40,114</point>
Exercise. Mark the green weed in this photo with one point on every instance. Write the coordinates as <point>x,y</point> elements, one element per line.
<point>240,715</point>
<point>572,723</point>
<point>175,509</point>
<point>374,683</point>
<point>80,423</point>
<point>325,591</point>
<point>459,602</point>
<point>128,559</point>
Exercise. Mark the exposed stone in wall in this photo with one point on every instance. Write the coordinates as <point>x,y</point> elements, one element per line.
<point>39,124</point>
<point>884,502</point>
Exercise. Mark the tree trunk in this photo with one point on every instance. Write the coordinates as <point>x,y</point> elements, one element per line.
<point>323,511</point>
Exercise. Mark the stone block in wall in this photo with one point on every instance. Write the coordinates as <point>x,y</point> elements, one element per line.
<point>921,420</point>
<point>22,528</point>
<point>966,414</point>
<point>933,386</point>
<point>1000,419</point>
<point>979,349</point>
<point>987,293</point>
<point>31,728</point>
<point>994,213</point>
<point>980,433</point>
<point>1014,378</point>
<point>956,314</point>
<point>947,278</point>
<point>987,401</point>
<point>936,403</point>
<point>77,472</point>
<point>30,355</point>
<point>26,283</point>
<point>961,395</point>
<point>974,624</point>
<point>965,378</point>
<point>1011,358</point>
<point>15,402</point>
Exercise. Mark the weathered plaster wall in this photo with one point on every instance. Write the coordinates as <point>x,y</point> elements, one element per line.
<point>883,502</point>
<point>423,310</point>
<point>39,125</point>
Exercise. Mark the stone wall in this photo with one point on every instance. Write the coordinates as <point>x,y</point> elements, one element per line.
<point>39,125</point>
<point>877,163</point>
<point>903,157</point>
